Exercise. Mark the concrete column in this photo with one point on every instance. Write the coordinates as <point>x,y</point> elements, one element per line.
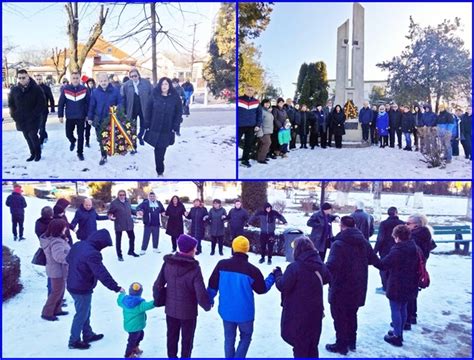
<point>358,54</point>
<point>342,63</point>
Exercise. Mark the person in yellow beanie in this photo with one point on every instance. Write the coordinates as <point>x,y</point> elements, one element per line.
<point>236,279</point>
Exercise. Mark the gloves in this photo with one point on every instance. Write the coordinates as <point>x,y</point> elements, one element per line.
<point>277,272</point>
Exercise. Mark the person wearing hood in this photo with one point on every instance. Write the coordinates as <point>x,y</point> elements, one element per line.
<point>59,212</point>
<point>174,226</point>
<point>27,105</point>
<point>348,262</point>
<point>180,281</point>
<point>41,224</point>
<point>301,288</point>
<point>17,204</point>
<point>249,122</point>
<point>429,120</point>
<point>150,210</point>
<point>86,218</point>
<point>85,269</point>
<point>102,98</point>
<point>55,247</point>
<point>236,280</point>
<point>321,233</point>
<point>383,126</point>
<point>465,129</point>
<point>402,284</point>
<point>445,126</point>
<point>163,119</point>
<point>238,218</point>
<point>267,218</point>
<point>364,221</point>
<point>120,212</point>
<point>198,216</point>
<point>134,309</point>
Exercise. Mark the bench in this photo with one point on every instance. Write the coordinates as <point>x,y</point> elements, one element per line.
<point>298,197</point>
<point>457,230</point>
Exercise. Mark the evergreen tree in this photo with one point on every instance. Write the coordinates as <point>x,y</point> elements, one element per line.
<point>101,190</point>
<point>254,195</point>
<point>312,84</point>
<point>301,77</point>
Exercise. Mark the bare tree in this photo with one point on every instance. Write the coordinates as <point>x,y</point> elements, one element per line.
<point>377,191</point>
<point>59,60</point>
<point>200,188</point>
<point>76,58</point>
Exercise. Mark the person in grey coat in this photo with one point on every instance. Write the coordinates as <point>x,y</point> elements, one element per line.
<point>217,216</point>
<point>136,93</point>
<point>321,234</point>
<point>120,212</point>
<point>363,221</point>
<point>265,132</point>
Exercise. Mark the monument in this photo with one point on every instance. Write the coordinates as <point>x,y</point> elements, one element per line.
<point>353,88</point>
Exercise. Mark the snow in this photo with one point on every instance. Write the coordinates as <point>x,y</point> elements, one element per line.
<point>213,146</point>
<point>444,322</point>
<point>354,163</point>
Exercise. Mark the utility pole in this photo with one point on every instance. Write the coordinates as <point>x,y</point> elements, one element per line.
<point>193,49</point>
<point>153,43</point>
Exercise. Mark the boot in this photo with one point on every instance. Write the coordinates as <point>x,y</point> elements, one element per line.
<point>132,253</point>
<point>103,160</point>
<point>49,318</point>
<point>79,345</point>
<point>391,333</point>
<point>93,337</point>
<point>262,260</point>
<point>336,348</point>
<point>31,158</point>
<point>393,340</point>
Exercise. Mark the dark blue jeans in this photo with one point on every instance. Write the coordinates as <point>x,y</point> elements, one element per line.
<point>399,316</point>
<point>81,321</point>
<point>230,333</point>
<point>134,339</point>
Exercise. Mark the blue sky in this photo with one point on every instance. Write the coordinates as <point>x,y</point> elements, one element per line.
<point>306,32</point>
<point>43,25</point>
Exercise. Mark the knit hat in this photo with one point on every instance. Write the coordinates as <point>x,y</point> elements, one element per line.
<point>326,206</point>
<point>186,243</point>
<point>135,289</point>
<point>241,244</point>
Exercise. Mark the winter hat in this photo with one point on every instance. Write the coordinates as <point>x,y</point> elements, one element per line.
<point>241,244</point>
<point>186,243</point>
<point>62,204</point>
<point>17,189</point>
<point>326,206</point>
<point>135,289</point>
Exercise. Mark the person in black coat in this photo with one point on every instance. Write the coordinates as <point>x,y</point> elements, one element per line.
<point>90,84</point>
<point>174,227</point>
<point>17,204</point>
<point>385,241</point>
<point>59,212</point>
<point>408,126</point>
<point>338,118</point>
<point>85,269</point>
<point>402,285</point>
<point>395,122</point>
<point>26,102</point>
<point>198,216</point>
<point>321,232</point>
<point>303,126</point>
<point>238,218</point>
<point>364,221</point>
<point>314,127</point>
<point>301,288</point>
<point>292,112</point>
<point>163,120</point>
<point>150,210</point>
<point>348,263</point>
<point>217,216</point>
<point>321,122</point>
<point>327,112</point>
<point>48,94</point>
<point>373,126</point>
<point>42,223</point>
<point>465,129</point>
<point>86,217</point>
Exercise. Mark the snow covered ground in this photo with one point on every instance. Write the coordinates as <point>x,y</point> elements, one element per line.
<point>444,328</point>
<point>213,146</point>
<point>354,163</point>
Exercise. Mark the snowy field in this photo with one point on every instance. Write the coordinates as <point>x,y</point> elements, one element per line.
<point>354,163</point>
<point>210,145</point>
<point>444,318</point>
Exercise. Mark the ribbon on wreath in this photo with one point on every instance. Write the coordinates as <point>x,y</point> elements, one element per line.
<point>114,122</point>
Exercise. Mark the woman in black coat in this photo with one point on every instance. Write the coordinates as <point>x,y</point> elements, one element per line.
<point>163,120</point>
<point>279,117</point>
<point>301,288</point>
<point>402,283</point>
<point>337,121</point>
<point>175,212</point>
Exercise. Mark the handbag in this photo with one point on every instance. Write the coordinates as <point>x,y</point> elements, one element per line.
<point>39,258</point>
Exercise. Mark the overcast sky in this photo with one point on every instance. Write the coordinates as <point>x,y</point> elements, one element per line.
<point>307,32</point>
<point>43,25</point>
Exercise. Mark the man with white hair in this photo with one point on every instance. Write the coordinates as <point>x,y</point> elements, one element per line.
<point>365,118</point>
<point>363,221</point>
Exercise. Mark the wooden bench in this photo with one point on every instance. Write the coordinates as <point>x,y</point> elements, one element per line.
<point>457,230</point>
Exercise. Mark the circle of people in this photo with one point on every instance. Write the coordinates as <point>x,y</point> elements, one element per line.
<point>84,105</point>
<point>278,124</point>
<point>180,288</point>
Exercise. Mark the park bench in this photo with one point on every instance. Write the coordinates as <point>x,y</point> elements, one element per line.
<point>298,197</point>
<point>457,230</point>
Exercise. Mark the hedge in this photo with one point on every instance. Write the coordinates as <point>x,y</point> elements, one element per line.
<point>10,274</point>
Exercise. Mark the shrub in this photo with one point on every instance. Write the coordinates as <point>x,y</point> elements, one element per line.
<point>10,274</point>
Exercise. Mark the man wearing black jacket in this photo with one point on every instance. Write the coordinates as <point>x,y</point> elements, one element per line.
<point>27,104</point>
<point>49,103</point>
<point>395,123</point>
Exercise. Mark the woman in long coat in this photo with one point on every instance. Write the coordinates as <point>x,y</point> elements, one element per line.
<point>338,119</point>
<point>163,120</point>
<point>175,212</point>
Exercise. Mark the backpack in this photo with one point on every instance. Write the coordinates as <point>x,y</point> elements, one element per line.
<point>423,276</point>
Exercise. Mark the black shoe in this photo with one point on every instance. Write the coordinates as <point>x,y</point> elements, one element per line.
<point>87,144</point>
<point>352,347</point>
<point>49,318</point>
<point>413,320</point>
<point>212,253</point>
<point>262,162</point>
<point>132,253</point>
<point>269,262</point>
<point>120,258</point>
<point>407,326</point>
<point>72,146</point>
<point>245,164</point>
<point>95,337</point>
<point>61,313</point>
<point>391,333</point>
<point>133,152</point>
<point>272,156</point>
<point>393,340</point>
<point>15,238</point>
<point>21,238</point>
<point>221,253</point>
<point>81,157</point>
<point>160,174</point>
<point>37,157</point>
<point>261,261</point>
<point>31,158</point>
<point>79,345</point>
<point>103,160</point>
<point>141,141</point>
<point>335,348</point>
